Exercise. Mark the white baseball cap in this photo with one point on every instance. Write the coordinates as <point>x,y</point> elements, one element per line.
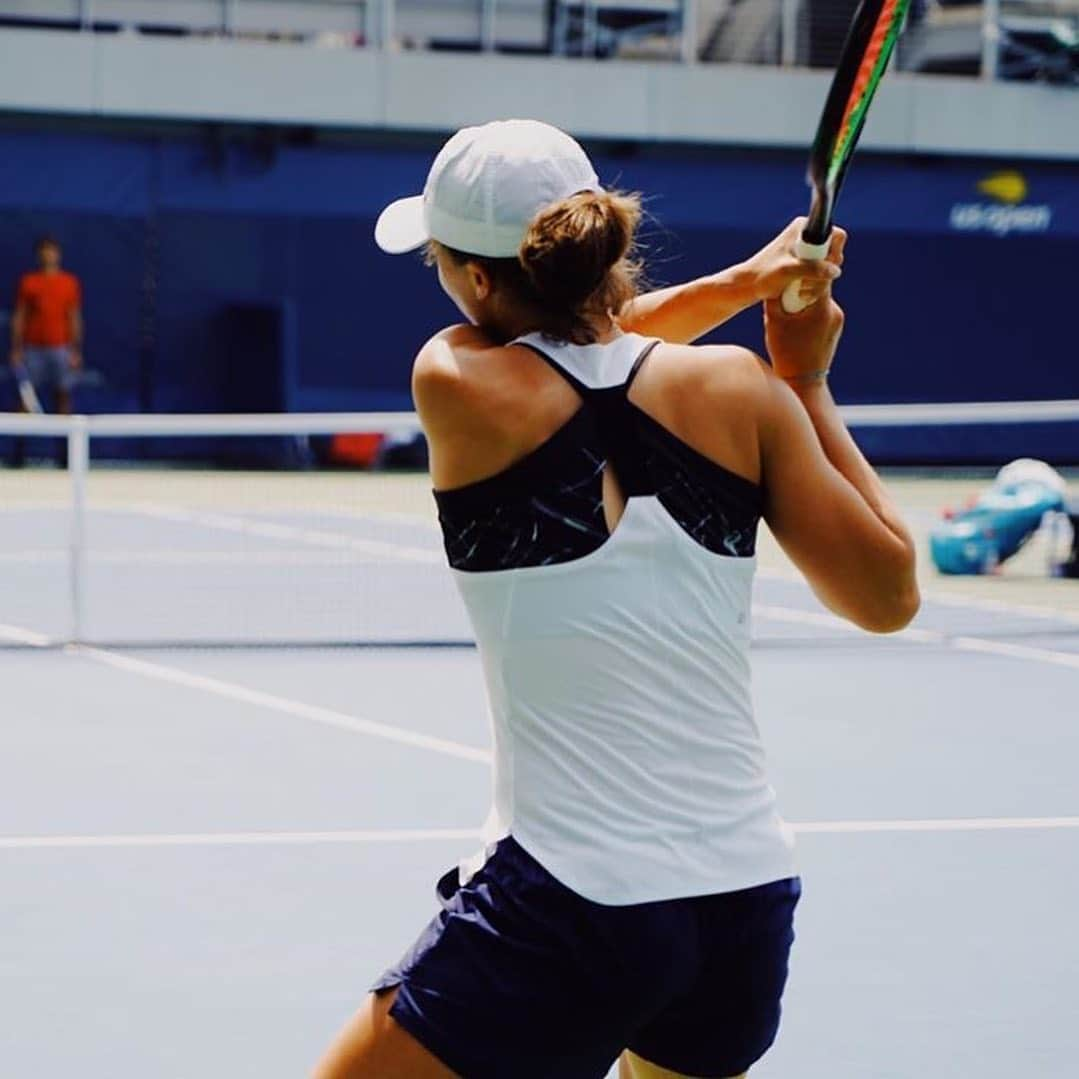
<point>486,187</point>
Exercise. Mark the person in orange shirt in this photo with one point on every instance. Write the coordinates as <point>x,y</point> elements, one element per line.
<point>46,329</point>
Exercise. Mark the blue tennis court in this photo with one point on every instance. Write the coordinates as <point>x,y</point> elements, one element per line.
<point>209,852</point>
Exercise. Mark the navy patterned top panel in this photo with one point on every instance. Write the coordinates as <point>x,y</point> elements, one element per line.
<point>548,507</point>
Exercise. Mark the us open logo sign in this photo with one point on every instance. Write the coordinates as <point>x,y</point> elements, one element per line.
<point>1006,210</point>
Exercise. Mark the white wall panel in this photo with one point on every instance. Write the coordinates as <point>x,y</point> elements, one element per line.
<point>56,78</point>
<point>995,118</point>
<point>219,79</point>
<point>443,90</point>
<point>742,105</point>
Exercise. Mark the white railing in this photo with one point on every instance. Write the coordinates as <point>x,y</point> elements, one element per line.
<point>671,29</point>
<point>785,32</point>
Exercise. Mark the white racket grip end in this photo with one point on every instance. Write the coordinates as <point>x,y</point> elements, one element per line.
<point>792,297</point>
<point>813,252</point>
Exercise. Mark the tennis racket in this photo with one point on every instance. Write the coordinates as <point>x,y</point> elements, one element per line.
<point>870,43</point>
<point>27,394</point>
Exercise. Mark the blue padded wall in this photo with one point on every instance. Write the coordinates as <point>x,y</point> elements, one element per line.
<point>171,232</point>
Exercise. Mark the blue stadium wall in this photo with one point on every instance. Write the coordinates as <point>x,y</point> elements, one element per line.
<point>232,274</point>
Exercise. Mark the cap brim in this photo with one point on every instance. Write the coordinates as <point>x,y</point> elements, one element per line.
<point>401,226</point>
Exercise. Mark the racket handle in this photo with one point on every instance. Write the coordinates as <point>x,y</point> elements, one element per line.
<point>27,394</point>
<point>792,297</point>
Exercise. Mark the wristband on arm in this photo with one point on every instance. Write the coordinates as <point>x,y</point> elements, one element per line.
<point>810,378</point>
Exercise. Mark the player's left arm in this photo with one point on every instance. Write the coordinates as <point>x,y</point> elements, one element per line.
<point>75,329</point>
<point>684,313</point>
<point>18,322</point>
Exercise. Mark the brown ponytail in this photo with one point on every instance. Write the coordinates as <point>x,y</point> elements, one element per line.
<point>579,260</point>
<point>577,264</point>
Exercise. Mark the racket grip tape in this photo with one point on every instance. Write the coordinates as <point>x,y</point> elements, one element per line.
<point>792,297</point>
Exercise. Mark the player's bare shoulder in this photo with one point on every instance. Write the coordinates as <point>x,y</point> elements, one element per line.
<point>446,380</point>
<point>462,378</point>
<point>726,378</point>
<point>443,357</point>
<point>712,397</point>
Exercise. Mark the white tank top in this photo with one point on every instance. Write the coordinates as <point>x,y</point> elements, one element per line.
<point>627,760</point>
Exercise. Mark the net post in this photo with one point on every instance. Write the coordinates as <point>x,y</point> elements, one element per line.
<point>78,464</point>
<point>788,33</point>
<point>589,29</point>
<point>991,40</point>
<point>690,28</point>
<point>488,35</point>
<point>387,11</point>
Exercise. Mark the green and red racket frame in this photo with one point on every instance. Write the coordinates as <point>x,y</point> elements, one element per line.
<point>868,50</point>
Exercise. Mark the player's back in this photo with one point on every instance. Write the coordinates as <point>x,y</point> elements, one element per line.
<point>608,572</point>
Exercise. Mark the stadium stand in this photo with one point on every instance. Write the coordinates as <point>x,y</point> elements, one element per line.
<point>1020,39</point>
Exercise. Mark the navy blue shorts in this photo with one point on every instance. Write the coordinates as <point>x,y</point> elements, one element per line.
<point>519,976</point>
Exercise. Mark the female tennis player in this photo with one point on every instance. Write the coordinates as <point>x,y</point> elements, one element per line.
<point>599,484</point>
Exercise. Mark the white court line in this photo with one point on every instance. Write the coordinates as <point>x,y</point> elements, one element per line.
<point>191,557</point>
<point>35,506</point>
<point>270,701</point>
<point>1016,651</point>
<point>417,835</point>
<point>998,606</point>
<point>958,824</point>
<point>825,620</point>
<point>423,523</point>
<point>803,618</point>
<point>913,635</point>
<point>420,522</point>
<point>239,839</point>
<point>950,599</point>
<point>311,536</point>
<point>19,635</point>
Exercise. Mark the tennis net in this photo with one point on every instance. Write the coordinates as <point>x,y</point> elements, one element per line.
<point>128,545</point>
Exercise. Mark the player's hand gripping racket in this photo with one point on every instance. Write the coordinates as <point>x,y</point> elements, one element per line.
<point>876,28</point>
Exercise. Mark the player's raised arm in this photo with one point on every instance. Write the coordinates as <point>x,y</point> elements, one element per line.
<point>684,313</point>
<point>825,503</point>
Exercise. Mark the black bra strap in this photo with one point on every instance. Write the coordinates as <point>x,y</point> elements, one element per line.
<point>615,422</point>
<point>638,363</point>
